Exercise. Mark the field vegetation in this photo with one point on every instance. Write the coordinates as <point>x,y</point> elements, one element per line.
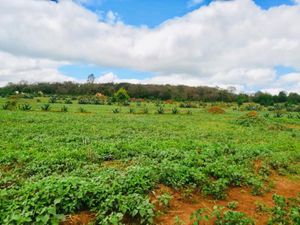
<point>126,161</point>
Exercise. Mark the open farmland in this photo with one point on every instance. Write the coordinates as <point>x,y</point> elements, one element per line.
<point>139,166</point>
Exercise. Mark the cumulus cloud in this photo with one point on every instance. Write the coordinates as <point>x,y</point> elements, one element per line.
<point>225,43</point>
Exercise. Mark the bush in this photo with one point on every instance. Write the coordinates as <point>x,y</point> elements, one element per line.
<point>175,111</point>
<point>68,101</point>
<point>145,110</point>
<point>160,110</point>
<point>131,110</point>
<point>64,108</point>
<point>46,107</point>
<point>250,119</point>
<point>25,107</point>
<point>82,110</point>
<point>116,110</point>
<point>53,99</point>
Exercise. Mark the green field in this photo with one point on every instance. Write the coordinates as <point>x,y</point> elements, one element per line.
<point>54,164</point>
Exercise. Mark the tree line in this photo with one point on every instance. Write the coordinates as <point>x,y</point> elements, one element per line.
<point>149,91</point>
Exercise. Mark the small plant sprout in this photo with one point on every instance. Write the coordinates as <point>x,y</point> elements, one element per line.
<point>232,205</point>
<point>165,199</point>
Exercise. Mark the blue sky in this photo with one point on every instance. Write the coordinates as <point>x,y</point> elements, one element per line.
<point>155,12</point>
<point>150,13</point>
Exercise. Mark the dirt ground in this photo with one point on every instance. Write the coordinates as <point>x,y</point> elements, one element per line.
<point>183,207</point>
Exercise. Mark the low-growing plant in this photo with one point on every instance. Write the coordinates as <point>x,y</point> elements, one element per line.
<point>198,216</point>
<point>131,110</point>
<point>230,217</point>
<point>5,106</point>
<point>68,101</point>
<point>175,110</point>
<point>64,108</point>
<point>285,211</point>
<point>178,221</point>
<point>164,199</point>
<point>145,110</point>
<point>82,110</point>
<point>53,99</point>
<point>232,205</point>
<point>25,107</point>
<point>216,110</point>
<point>160,110</point>
<point>116,110</point>
<point>46,107</point>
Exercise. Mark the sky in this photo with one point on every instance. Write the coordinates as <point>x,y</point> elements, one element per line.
<point>246,44</point>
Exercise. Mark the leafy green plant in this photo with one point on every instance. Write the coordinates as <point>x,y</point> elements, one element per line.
<point>68,101</point>
<point>230,217</point>
<point>165,199</point>
<point>25,107</point>
<point>64,108</point>
<point>53,99</point>
<point>131,110</point>
<point>145,110</point>
<point>160,110</point>
<point>175,110</point>
<point>178,221</point>
<point>46,107</point>
<point>232,205</point>
<point>82,110</point>
<point>285,212</point>
<point>116,110</point>
<point>5,106</point>
<point>197,217</point>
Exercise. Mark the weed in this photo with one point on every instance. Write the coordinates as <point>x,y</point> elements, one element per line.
<point>64,108</point>
<point>46,107</point>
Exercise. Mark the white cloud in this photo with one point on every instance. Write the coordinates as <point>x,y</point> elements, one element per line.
<point>225,43</point>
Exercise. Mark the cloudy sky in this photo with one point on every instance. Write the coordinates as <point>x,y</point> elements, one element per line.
<point>252,45</point>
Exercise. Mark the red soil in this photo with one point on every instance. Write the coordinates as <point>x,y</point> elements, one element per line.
<point>183,208</point>
<point>82,218</point>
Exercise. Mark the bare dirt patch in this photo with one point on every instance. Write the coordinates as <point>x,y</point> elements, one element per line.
<point>182,208</point>
<point>82,218</point>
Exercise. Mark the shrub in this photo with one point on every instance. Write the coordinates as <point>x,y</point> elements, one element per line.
<point>5,106</point>
<point>68,101</point>
<point>64,108</point>
<point>232,218</point>
<point>46,107</point>
<point>160,110</point>
<point>175,110</point>
<point>82,110</point>
<point>131,110</point>
<point>116,110</point>
<point>278,113</point>
<point>145,110</point>
<point>216,110</point>
<point>53,99</point>
<point>250,119</point>
<point>25,107</point>
<point>9,105</point>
